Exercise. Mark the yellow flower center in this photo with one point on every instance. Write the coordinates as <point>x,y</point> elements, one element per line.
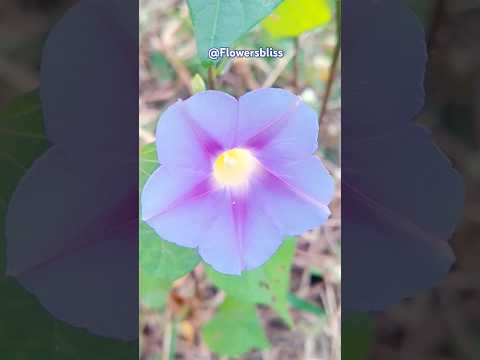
<point>234,167</point>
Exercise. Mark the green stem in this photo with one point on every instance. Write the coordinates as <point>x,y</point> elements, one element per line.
<point>334,64</point>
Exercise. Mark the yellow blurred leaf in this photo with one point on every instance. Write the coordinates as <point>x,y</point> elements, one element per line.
<point>187,331</point>
<point>198,85</point>
<point>294,17</point>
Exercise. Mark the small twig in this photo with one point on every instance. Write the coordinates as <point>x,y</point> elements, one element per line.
<point>183,74</point>
<point>277,71</point>
<point>333,65</point>
<point>296,65</point>
<point>196,282</point>
<point>17,76</point>
<point>438,15</point>
<point>330,81</point>
<point>243,68</point>
<point>211,78</point>
<point>145,136</point>
<point>167,335</point>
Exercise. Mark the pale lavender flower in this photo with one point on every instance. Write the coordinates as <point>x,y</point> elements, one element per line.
<point>237,176</point>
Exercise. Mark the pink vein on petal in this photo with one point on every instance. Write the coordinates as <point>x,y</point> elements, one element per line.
<point>268,132</point>
<point>397,220</point>
<point>208,143</point>
<point>107,221</point>
<point>198,191</point>
<point>239,213</point>
<point>276,180</point>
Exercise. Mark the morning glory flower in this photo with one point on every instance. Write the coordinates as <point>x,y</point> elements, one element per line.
<point>237,176</point>
<point>71,225</point>
<point>401,198</point>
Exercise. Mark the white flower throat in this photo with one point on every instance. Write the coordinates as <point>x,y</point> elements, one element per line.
<point>234,167</point>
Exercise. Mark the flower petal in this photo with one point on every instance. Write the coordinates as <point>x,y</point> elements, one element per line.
<point>182,138</point>
<point>216,113</point>
<point>398,215</point>
<point>384,262</point>
<point>296,194</point>
<point>407,174</point>
<point>91,97</point>
<point>220,245</point>
<point>65,217</point>
<point>262,236</point>
<point>241,237</point>
<point>383,67</point>
<point>177,144</point>
<point>250,225</point>
<point>177,205</point>
<point>79,289</point>
<point>278,122</point>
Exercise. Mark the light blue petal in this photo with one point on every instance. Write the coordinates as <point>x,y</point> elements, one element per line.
<point>277,122</point>
<point>177,205</point>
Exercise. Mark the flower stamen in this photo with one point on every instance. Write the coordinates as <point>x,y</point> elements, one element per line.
<point>234,167</point>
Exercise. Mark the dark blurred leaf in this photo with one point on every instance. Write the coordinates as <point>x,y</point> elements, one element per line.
<point>357,336</point>
<point>423,9</point>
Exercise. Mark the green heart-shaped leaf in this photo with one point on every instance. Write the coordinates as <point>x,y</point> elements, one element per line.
<point>235,329</point>
<point>219,23</point>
